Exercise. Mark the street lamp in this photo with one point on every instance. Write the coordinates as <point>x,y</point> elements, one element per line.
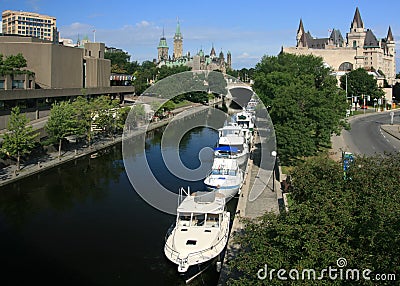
<point>274,155</point>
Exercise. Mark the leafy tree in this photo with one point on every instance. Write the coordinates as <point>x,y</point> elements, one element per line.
<point>61,123</point>
<point>360,83</point>
<point>138,112</point>
<point>83,115</point>
<point>122,114</point>
<point>12,64</point>
<point>304,103</point>
<point>120,62</point>
<point>15,62</point>
<point>20,138</point>
<point>165,71</point>
<point>329,218</point>
<point>143,76</point>
<point>105,113</point>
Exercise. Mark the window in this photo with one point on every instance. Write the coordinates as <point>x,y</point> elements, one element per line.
<point>1,84</point>
<point>19,84</point>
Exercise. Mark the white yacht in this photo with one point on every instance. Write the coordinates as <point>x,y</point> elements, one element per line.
<point>200,232</point>
<point>226,177</point>
<point>251,105</point>
<point>234,147</point>
<point>245,119</point>
<point>233,129</point>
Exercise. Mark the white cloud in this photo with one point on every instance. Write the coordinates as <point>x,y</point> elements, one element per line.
<point>34,4</point>
<point>143,23</point>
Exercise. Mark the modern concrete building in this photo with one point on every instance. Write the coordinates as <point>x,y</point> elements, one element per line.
<point>59,72</point>
<point>29,24</point>
<point>360,50</point>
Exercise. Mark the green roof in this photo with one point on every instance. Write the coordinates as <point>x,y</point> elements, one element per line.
<point>163,43</point>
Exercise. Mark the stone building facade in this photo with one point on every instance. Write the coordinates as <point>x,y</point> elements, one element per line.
<point>361,49</point>
<point>200,61</point>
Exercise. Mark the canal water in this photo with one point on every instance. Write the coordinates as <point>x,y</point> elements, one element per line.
<point>84,224</point>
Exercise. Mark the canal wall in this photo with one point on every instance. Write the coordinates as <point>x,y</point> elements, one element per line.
<point>10,174</point>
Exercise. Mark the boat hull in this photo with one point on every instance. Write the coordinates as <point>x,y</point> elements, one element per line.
<point>200,256</point>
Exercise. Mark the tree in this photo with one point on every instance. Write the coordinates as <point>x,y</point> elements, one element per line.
<point>330,218</point>
<point>61,123</point>
<point>105,113</point>
<point>83,116</point>
<point>12,64</point>
<point>15,62</point>
<point>304,102</point>
<point>360,83</point>
<point>20,138</point>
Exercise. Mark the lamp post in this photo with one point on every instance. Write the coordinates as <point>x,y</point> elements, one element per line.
<point>274,155</point>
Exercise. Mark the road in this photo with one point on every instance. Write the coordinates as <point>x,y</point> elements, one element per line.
<point>366,137</point>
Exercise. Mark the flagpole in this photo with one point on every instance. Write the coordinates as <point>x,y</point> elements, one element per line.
<point>94,36</point>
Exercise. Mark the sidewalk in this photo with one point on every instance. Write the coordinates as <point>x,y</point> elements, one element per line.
<point>393,130</point>
<point>249,207</point>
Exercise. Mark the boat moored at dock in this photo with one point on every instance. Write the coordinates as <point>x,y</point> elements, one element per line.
<point>200,232</point>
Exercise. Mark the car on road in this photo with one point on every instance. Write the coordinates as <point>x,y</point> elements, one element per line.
<point>364,107</point>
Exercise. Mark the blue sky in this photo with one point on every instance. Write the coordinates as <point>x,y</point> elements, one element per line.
<point>248,29</point>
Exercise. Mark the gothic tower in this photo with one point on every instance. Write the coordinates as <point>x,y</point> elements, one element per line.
<point>162,48</point>
<point>391,51</point>
<point>178,42</point>
<point>300,35</point>
<point>229,60</point>
<point>356,36</point>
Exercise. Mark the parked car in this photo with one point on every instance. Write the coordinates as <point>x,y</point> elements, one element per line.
<point>364,107</point>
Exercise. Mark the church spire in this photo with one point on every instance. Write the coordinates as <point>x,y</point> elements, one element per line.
<point>178,41</point>
<point>389,36</point>
<point>300,37</point>
<point>357,22</point>
<point>301,27</point>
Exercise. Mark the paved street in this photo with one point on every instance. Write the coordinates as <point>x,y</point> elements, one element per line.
<point>366,136</point>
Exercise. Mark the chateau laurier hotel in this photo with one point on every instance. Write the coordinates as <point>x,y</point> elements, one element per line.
<point>360,50</point>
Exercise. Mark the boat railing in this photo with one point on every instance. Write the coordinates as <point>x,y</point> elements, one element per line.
<point>175,254</point>
<point>201,253</point>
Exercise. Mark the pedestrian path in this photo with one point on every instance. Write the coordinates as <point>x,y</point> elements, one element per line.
<point>250,206</point>
<point>393,130</point>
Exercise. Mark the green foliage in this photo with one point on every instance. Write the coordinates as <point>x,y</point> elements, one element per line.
<point>359,83</point>
<point>104,112</point>
<point>120,62</point>
<point>20,138</point>
<point>122,114</point>
<point>61,123</point>
<point>165,71</point>
<point>243,74</point>
<point>13,64</point>
<point>329,218</point>
<point>304,103</point>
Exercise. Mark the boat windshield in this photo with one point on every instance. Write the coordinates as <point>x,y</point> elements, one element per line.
<point>232,147</point>
<point>229,172</point>
<point>227,132</point>
<point>184,219</point>
<point>212,220</point>
<point>198,219</point>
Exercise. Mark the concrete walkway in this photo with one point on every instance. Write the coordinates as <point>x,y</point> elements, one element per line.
<point>393,130</point>
<point>248,207</point>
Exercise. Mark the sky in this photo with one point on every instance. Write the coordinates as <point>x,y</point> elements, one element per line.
<point>248,29</point>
